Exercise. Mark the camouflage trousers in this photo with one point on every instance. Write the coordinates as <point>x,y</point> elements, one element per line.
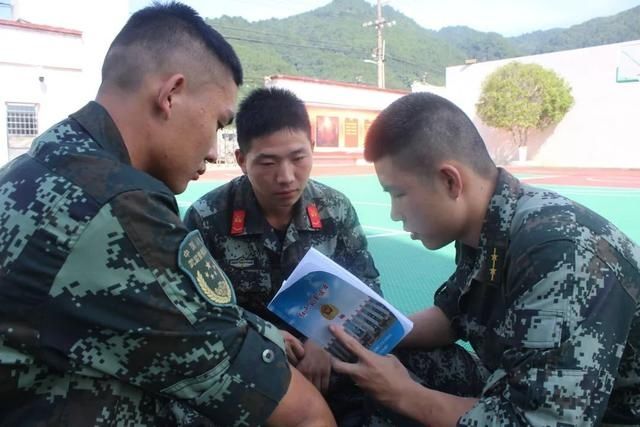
<point>451,370</point>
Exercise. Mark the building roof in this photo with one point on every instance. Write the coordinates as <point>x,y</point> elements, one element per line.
<point>335,83</point>
<point>38,27</point>
<point>336,95</point>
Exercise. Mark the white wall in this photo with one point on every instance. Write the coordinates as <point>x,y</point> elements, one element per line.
<point>98,20</point>
<point>70,64</point>
<point>334,94</point>
<point>601,130</point>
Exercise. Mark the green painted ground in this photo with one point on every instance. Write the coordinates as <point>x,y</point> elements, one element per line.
<point>410,274</point>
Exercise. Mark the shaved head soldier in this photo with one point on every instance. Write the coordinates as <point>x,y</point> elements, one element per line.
<point>111,311</point>
<point>545,291</point>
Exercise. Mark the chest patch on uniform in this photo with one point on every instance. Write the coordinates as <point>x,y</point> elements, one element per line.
<point>241,262</point>
<point>210,281</point>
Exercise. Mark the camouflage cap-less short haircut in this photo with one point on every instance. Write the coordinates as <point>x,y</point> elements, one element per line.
<point>152,35</point>
<point>268,110</point>
<point>420,130</point>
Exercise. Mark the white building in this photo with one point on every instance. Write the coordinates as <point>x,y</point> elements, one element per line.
<point>340,112</point>
<point>603,127</point>
<point>51,53</point>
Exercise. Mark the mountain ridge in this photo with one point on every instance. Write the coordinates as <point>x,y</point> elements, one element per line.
<point>314,44</point>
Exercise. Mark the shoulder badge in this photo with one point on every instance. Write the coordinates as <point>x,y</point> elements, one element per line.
<point>210,281</point>
<point>314,216</point>
<point>495,262</point>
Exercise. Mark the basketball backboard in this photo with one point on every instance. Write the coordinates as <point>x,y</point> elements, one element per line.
<point>628,69</point>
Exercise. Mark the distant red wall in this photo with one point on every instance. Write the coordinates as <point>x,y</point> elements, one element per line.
<point>339,129</point>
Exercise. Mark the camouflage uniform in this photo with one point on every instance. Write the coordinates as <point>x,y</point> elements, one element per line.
<point>111,313</point>
<point>257,260</point>
<point>253,256</point>
<point>549,303</point>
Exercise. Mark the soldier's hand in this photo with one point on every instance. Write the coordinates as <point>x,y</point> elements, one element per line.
<point>293,347</point>
<point>384,377</point>
<point>316,366</point>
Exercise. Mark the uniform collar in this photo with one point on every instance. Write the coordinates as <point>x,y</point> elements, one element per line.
<point>309,201</point>
<point>494,236</point>
<point>95,119</point>
<point>244,200</point>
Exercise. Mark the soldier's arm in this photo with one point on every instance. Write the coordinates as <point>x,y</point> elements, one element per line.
<point>388,381</point>
<point>142,301</point>
<point>569,323</point>
<point>352,251</point>
<point>431,329</point>
<point>432,326</point>
<point>301,406</point>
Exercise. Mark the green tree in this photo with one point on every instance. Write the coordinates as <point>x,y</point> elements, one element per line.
<point>521,97</point>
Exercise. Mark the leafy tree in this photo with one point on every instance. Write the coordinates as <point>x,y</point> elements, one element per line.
<point>521,97</point>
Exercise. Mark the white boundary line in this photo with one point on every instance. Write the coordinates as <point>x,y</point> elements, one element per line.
<point>614,192</point>
<point>387,232</point>
<point>613,179</point>
<point>531,178</point>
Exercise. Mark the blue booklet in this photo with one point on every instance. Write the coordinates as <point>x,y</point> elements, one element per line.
<point>319,292</point>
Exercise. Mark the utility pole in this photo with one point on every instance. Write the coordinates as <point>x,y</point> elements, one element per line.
<point>379,51</point>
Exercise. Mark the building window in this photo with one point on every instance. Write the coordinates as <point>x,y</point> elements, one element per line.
<point>22,120</point>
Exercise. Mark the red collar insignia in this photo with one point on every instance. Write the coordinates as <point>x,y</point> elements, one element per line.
<point>314,216</point>
<point>237,222</point>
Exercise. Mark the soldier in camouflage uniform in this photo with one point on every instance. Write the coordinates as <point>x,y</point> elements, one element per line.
<point>545,291</point>
<point>111,311</point>
<point>258,226</point>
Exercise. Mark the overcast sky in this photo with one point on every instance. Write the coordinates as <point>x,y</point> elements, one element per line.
<point>507,17</point>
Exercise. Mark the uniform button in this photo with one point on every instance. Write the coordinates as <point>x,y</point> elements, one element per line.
<point>268,356</point>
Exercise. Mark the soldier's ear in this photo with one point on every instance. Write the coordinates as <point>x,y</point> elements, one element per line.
<point>451,178</point>
<point>168,94</point>
<point>241,158</point>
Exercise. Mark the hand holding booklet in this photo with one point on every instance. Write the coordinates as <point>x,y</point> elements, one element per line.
<point>319,292</point>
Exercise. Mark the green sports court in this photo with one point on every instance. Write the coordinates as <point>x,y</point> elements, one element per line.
<point>410,274</point>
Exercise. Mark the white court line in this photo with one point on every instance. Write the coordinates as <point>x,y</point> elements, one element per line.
<point>600,193</point>
<point>613,179</point>
<point>387,232</point>
<point>530,178</point>
<point>399,233</point>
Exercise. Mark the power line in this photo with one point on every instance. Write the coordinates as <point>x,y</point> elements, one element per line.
<point>314,44</point>
<point>378,54</point>
<point>317,42</point>
<point>315,47</point>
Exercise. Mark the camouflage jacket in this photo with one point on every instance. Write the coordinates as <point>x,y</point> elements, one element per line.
<point>253,256</point>
<point>111,312</point>
<point>549,303</point>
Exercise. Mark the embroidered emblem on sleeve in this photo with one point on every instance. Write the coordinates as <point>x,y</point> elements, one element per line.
<point>210,281</point>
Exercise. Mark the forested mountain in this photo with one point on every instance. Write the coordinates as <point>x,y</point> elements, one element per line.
<point>612,29</point>
<point>331,43</point>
